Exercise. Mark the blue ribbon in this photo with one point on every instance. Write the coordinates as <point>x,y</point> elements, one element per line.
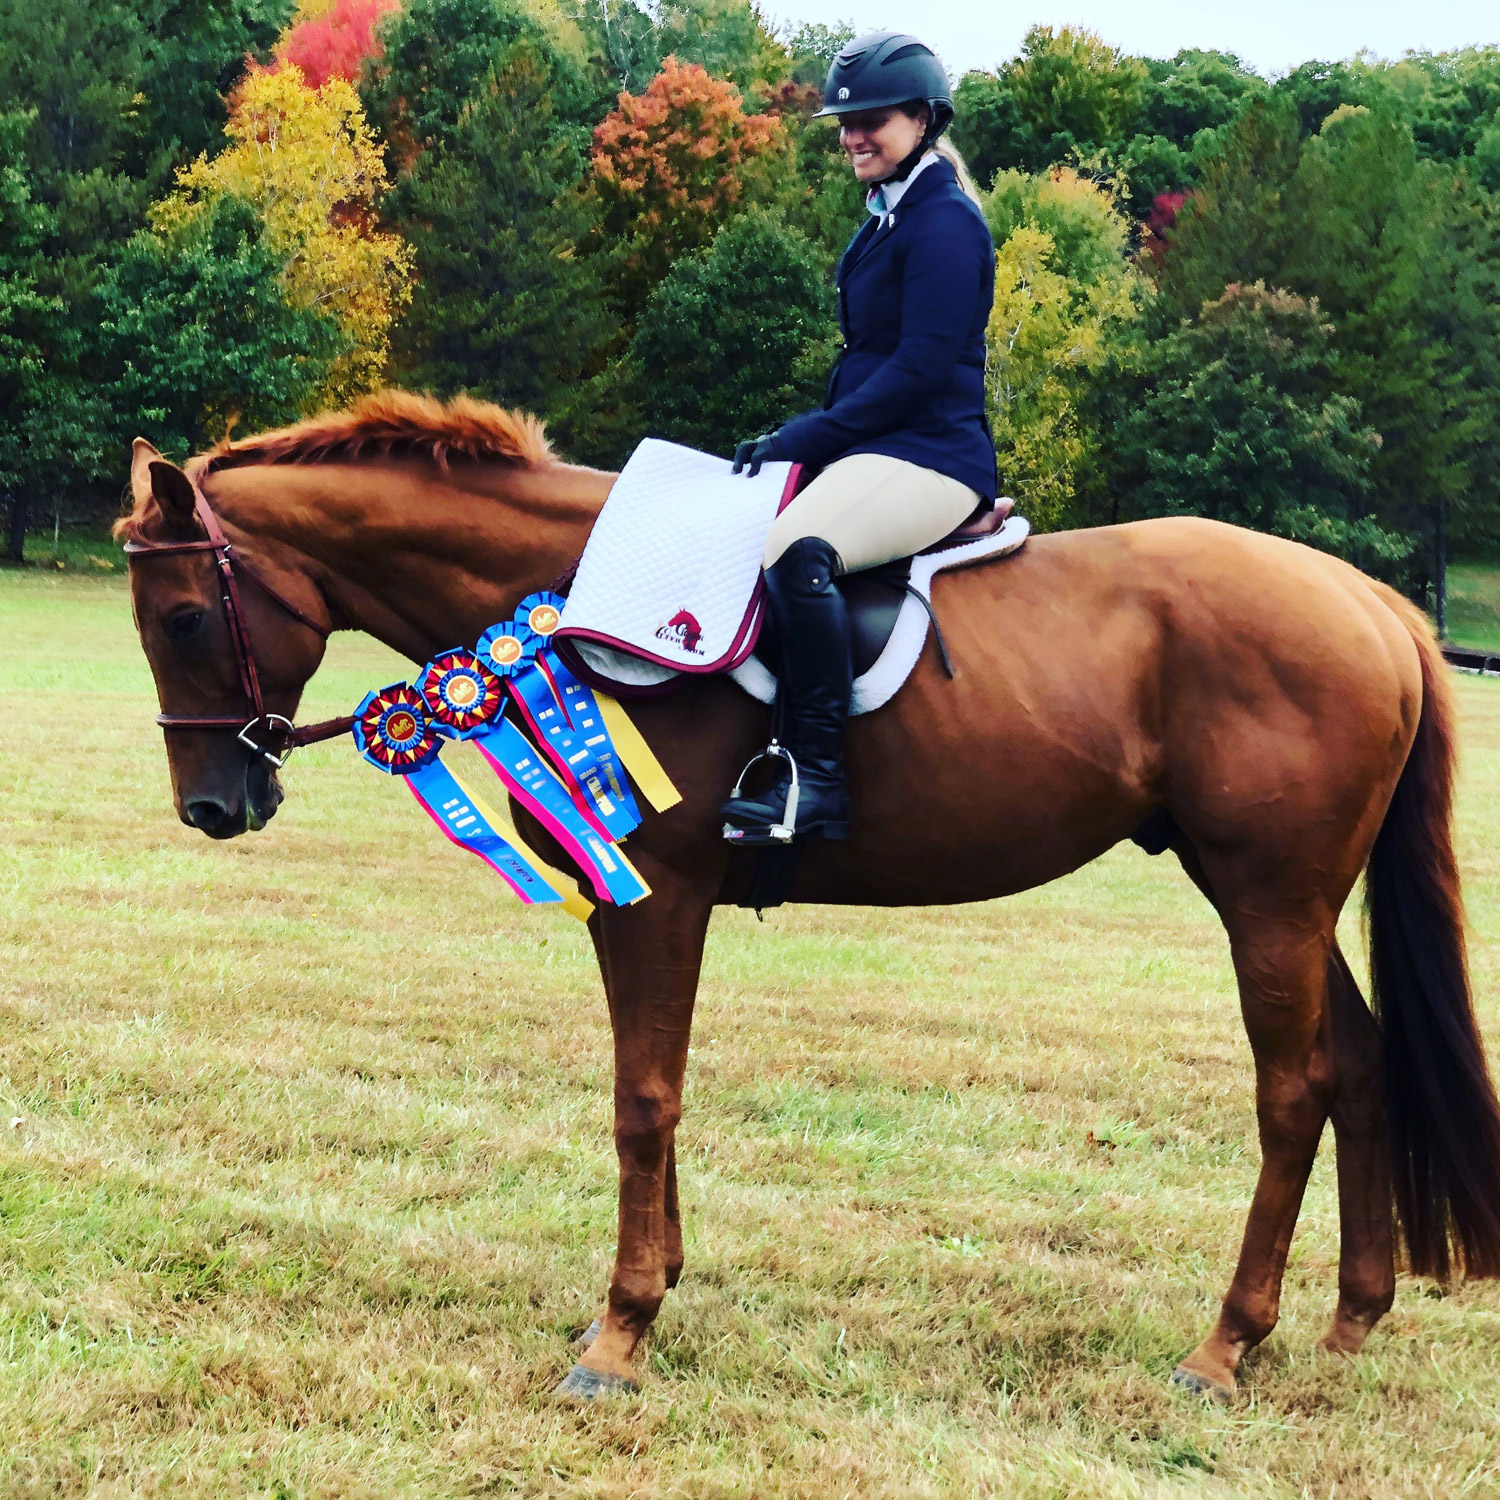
<point>537,786</point>
<point>463,698</point>
<point>451,808</point>
<point>562,711</point>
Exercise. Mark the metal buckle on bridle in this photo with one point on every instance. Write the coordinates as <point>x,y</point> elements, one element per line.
<point>784,831</point>
<point>287,733</point>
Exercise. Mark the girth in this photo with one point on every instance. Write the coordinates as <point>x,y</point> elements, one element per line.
<point>276,737</point>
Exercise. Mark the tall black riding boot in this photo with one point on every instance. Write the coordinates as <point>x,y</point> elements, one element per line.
<point>812,626</point>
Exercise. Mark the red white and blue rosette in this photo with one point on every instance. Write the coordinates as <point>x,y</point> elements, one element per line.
<point>393,732</point>
<point>460,693</point>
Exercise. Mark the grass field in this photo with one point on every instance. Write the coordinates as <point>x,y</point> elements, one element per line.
<point>308,1175</point>
<point>1474,605</point>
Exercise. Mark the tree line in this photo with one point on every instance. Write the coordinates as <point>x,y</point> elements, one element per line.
<point>1270,301</point>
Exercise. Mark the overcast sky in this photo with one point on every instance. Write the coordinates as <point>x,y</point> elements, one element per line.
<point>1272,36</point>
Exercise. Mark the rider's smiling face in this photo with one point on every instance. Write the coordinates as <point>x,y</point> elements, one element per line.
<point>877,141</point>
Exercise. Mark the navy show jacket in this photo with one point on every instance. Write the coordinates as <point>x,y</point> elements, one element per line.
<point>914,300</point>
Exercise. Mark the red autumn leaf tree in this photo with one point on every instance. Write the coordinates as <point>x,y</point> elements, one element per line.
<point>336,43</point>
<point>670,165</point>
<point>1159,224</point>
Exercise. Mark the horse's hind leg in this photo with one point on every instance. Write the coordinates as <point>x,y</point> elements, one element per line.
<point>1367,1260</point>
<point>1281,965</point>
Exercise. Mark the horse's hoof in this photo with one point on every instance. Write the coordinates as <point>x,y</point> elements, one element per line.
<point>589,1334</point>
<point>1200,1385</point>
<point>584,1384</point>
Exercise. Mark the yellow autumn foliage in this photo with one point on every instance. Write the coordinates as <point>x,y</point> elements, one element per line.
<point>1053,315</point>
<point>309,164</point>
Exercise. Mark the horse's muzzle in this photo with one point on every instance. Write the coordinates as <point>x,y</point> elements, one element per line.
<point>256,805</point>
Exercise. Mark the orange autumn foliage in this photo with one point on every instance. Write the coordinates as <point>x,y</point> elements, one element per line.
<point>670,165</point>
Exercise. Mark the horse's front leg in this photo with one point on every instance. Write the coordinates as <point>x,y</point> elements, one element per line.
<point>650,956</point>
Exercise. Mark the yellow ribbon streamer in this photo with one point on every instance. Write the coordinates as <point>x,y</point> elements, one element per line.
<point>637,755</point>
<point>574,902</point>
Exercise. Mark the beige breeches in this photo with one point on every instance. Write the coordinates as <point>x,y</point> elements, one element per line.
<point>872,509</point>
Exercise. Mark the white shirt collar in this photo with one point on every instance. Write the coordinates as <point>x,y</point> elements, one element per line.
<point>882,199</point>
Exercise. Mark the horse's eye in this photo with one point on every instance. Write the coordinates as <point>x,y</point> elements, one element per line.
<point>185,624</point>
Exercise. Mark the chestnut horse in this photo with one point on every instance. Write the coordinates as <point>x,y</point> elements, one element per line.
<point>1275,718</point>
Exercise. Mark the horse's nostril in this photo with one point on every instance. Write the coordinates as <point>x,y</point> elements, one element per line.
<point>206,814</point>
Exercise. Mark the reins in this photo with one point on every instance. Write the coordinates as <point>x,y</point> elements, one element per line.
<point>279,733</point>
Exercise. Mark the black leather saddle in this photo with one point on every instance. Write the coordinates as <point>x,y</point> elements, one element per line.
<point>876,595</point>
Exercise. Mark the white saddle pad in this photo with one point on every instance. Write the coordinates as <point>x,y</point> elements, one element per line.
<point>670,578</point>
<point>669,581</point>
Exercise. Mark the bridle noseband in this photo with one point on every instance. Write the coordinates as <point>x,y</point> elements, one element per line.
<point>279,733</point>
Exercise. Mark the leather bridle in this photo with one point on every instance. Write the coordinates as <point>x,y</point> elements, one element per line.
<point>279,736</point>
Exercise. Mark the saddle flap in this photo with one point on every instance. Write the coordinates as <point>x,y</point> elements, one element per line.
<point>874,598</point>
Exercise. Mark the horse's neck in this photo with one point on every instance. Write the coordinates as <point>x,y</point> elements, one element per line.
<point>415,557</point>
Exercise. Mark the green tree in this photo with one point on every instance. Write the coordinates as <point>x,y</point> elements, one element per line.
<point>736,338</point>
<point>988,127</point>
<point>1184,103</point>
<point>813,48</point>
<point>1074,91</point>
<point>121,96</point>
<point>438,56</point>
<point>48,431</point>
<point>1233,227</point>
<point>628,43</point>
<point>1229,416</point>
<point>503,306</point>
<point>727,38</point>
<point>196,332</point>
<point>112,98</point>
<point>1394,249</point>
<point>1316,89</point>
<point>1193,92</point>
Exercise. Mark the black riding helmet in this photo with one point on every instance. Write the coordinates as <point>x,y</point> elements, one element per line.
<point>884,68</point>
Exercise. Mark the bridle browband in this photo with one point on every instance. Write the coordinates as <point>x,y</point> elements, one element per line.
<point>279,734</point>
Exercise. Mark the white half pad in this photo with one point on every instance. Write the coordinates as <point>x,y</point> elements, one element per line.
<point>904,649</point>
<point>667,581</point>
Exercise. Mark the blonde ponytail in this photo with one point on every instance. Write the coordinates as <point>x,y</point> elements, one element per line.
<point>950,153</point>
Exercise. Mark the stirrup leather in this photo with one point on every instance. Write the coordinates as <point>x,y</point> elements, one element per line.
<point>782,832</point>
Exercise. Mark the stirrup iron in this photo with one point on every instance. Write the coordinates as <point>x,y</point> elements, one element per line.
<point>777,833</point>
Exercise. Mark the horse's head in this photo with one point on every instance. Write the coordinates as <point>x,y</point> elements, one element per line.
<point>230,656</point>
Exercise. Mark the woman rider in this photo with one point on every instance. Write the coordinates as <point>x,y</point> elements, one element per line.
<point>902,440</point>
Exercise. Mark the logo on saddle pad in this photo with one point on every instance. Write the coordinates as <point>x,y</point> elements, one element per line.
<point>682,630</point>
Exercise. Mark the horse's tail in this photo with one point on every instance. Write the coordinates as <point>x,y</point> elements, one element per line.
<point>1441,1110</point>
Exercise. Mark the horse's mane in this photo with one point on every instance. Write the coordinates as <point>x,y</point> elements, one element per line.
<point>391,421</point>
<point>378,425</point>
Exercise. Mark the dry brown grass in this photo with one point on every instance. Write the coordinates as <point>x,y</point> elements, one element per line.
<point>314,1175</point>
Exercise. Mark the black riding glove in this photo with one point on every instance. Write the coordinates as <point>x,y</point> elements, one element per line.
<point>754,452</point>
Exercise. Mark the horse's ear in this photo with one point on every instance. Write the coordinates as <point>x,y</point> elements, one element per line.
<point>153,478</point>
<point>141,455</point>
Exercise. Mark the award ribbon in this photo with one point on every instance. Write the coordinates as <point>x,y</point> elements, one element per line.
<point>538,788</point>
<point>567,725</point>
<point>623,742</point>
<point>586,802</point>
<point>464,700</point>
<point>393,731</point>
